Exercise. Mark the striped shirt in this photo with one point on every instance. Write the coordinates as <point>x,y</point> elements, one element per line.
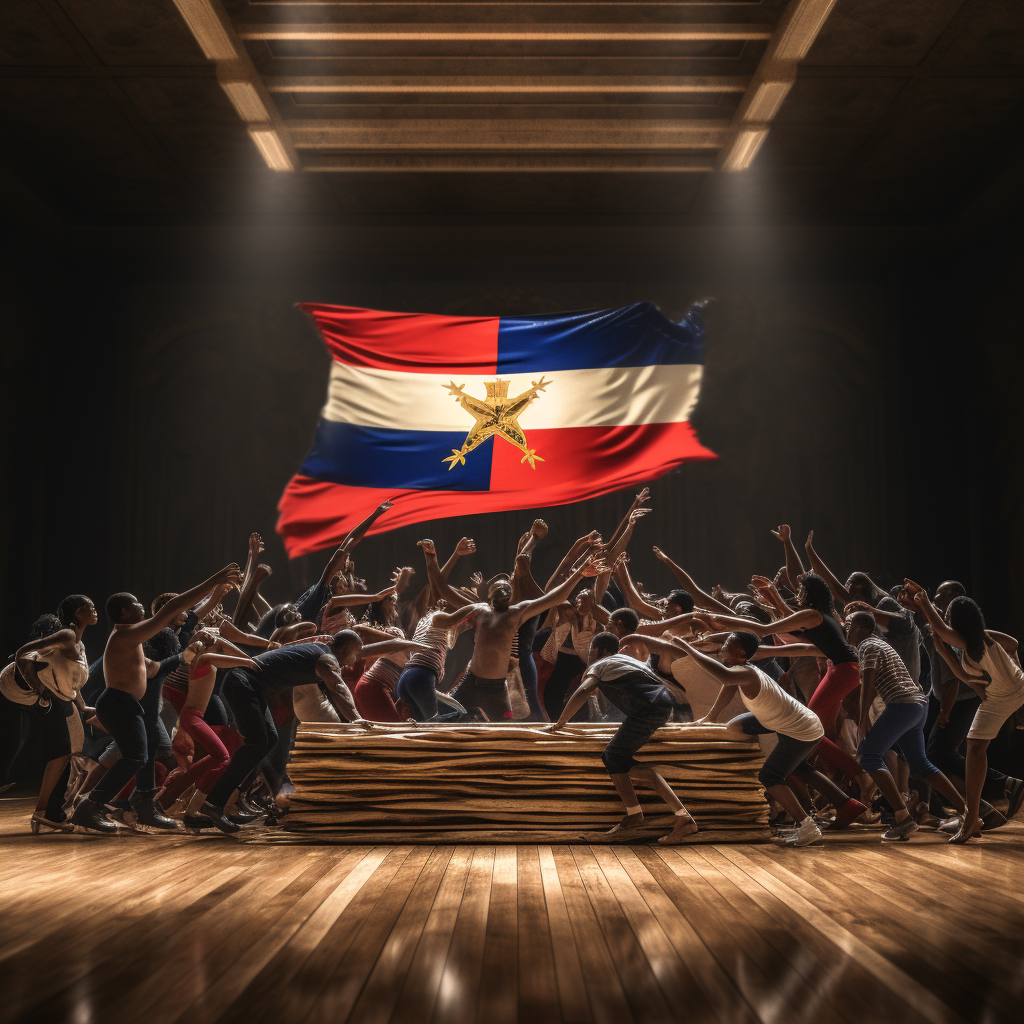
<point>893,683</point>
<point>436,639</point>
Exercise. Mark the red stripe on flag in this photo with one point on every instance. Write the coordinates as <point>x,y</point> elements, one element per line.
<point>412,342</point>
<point>579,463</point>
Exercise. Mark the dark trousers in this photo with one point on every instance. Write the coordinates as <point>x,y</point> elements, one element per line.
<point>944,745</point>
<point>123,717</point>
<point>253,720</point>
<point>567,668</point>
<point>528,667</point>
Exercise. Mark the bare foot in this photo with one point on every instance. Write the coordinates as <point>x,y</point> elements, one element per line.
<point>627,824</point>
<point>684,826</point>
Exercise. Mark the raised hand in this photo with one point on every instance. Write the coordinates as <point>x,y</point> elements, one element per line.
<point>476,579</point>
<point>594,566</point>
<point>658,553</point>
<point>637,514</point>
<point>642,497</point>
<point>809,543</point>
<point>782,533</point>
<point>427,545</point>
<point>857,606</point>
<point>718,593</point>
<point>385,505</point>
<point>255,544</point>
<point>539,529</point>
<point>230,574</point>
<point>466,546</point>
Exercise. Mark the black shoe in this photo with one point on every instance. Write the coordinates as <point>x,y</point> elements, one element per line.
<point>149,812</point>
<point>197,822</point>
<point>91,815</point>
<point>245,817</point>
<point>218,818</point>
<point>249,806</point>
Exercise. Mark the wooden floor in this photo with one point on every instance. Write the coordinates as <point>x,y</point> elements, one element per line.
<point>157,929</point>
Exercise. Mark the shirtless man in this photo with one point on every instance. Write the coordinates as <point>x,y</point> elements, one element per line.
<point>496,623</point>
<point>126,669</point>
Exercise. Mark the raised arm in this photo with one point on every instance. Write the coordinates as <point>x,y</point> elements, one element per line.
<point>657,628</point>
<point>351,600</point>
<point>686,581</point>
<point>140,632</point>
<point>588,565</point>
<point>628,521</point>
<point>234,635</point>
<point>794,567</point>
<point>914,596</point>
<point>839,592</point>
<point>619,543</point>
<point>806,618</point>
<point>437,581</point>
<point>565,566</point>
<point>620,571</point>
<point>449,620</point>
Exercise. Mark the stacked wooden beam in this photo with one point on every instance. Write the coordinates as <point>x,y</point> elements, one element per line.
<point>502,783</point>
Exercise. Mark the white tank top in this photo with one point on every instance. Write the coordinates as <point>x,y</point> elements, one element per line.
<point>1006,675</point>
<point>777,710</point>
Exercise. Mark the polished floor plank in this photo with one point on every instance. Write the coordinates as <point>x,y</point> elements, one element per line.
<point>417,992</point>
<point>188,930</point>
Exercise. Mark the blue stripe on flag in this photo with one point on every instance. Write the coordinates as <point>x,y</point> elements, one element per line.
<point>637,335</point>
<point>402,459</point>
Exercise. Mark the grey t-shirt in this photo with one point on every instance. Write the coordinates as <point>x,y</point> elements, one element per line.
<point>903,636</point>
<point>942,673</point>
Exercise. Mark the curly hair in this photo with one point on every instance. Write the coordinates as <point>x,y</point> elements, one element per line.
<point>46,625</point>
<point>816,594</point>
<point>966,618</point>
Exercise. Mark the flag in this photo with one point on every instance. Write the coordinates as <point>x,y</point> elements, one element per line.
<point>453,415</point>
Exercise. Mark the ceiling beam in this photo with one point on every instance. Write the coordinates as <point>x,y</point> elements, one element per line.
<point>798,27</point>
<point>509,163</point>
<point>639,84</point>
<point>212,29</point>
<point>508,33</point>
<point>462,134</point>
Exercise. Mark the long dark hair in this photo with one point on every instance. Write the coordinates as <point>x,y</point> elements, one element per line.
<point>816,594</point>
<point>965,617</point>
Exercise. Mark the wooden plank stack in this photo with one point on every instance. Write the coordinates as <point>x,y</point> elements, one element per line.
<point>496,783</point>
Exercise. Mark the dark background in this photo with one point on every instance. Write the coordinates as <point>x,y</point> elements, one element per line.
<point>158,397</point>
<point>863,359</point>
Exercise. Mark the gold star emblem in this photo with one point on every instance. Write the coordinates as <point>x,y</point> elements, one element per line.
<point>497,414</point>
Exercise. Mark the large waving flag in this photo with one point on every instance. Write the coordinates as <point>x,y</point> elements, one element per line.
<point>452,415</point>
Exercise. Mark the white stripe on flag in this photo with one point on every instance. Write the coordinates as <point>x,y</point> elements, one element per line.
<point>603,397</point>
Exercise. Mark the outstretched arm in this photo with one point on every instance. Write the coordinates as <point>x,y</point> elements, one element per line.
<point>437,581</point>
<point>839,592</point>
<point>351,600</point>
<point>914,596</point>
<point>587,566</point>
<point>576,701</point>
<point>686,581</point>
<point>329,672</point>
<point>140,632</point>
<point>565,566</point>
<point>627,522</point>
<point>794,567</point>
<point>806,618</point>
<point>727,675</point>
<point>633,597</point>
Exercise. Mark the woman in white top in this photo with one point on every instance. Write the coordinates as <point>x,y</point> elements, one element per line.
<point>39,691</point>
<point>991,667</point>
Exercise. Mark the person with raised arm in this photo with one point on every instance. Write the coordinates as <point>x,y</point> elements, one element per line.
<point>991,666</point>
<point>899,727</point>
<point>315,597</point>
<point>700,598</point>
<point>525,588</point>
<point>815,621</point>
<point>248,691</point>
<point>631,687</point>
<point>125,670</point>
<point>41,688</point>
<point>496,623</point>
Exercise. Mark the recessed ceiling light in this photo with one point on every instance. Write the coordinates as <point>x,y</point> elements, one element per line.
<point>744,149</point>
<point>269,144</point>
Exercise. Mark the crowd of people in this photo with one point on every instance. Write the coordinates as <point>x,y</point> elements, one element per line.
<point>896,709</point>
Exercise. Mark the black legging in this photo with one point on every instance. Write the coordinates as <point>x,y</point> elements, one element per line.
<point>567,668</point>
<point>528,667</point>
<point>248,705</point>
<point>944,742</point>
<point>123,717</point>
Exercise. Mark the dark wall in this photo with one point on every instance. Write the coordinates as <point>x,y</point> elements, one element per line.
<point>157,403</point>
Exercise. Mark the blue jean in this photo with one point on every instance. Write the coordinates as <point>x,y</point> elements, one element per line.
<point>899,727</point>
<point>417,686</point>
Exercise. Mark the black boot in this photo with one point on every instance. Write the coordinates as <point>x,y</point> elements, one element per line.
<point>197,822</point>
<point>241,817</point>
<point>149,812</point>
<point>91,815</point>
<point>218,818</point>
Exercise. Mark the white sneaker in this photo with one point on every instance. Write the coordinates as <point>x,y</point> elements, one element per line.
<point>806,835</point>
<point>951,825</point>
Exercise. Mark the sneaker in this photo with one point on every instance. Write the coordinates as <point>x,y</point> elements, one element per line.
<point>806,835</point>
<point>902,831</point>
<point>951,825</point>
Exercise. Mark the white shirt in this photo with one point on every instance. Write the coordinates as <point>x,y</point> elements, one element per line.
<point>777,710</point>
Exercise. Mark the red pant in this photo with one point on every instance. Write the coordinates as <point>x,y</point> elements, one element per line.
<point>836,685</point>
<point>218,741</point>
<point>374,702</point>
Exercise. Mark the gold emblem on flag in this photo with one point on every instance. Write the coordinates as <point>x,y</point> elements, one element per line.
<point>497,415</point>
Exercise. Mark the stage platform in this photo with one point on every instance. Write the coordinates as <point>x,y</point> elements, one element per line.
<point>270,930</point>
<point>496,782</point>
